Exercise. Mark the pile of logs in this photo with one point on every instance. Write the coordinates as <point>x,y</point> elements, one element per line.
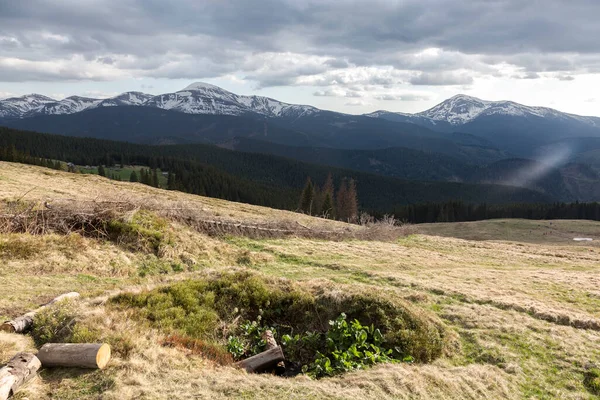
<point>24,366</point>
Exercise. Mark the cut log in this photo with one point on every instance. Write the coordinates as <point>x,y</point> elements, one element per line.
<point>25,322</point>
<point>19,370</point>
<point>262,361</point>
<point>79,355</point>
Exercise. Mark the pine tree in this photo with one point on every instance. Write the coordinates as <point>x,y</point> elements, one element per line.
<point>101,171</point>
<point>352,201</point>
<point>155,178</point>
<point>307,198</point>
<point>171,181</point>
<point>327,206</point>
<point>133,177</point>
<point>341,204</point>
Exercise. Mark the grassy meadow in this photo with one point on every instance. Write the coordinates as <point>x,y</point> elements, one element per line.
<point>511,307</point>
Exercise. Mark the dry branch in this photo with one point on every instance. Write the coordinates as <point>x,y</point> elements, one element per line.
<point>19,370</point>
<point>79,355</point>
<point>25,322</point>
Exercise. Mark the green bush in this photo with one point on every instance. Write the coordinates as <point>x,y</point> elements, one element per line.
<point>54,323</point>
<point>591,380</point>
<point>143,232</point>
<point>209,309</point>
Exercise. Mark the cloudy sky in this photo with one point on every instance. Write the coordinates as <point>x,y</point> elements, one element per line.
<point>350,56</point>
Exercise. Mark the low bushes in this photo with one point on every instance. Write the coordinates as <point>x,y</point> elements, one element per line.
<point>233,309</point>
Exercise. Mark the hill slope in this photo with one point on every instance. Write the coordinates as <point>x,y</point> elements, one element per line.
<point>520,312</point>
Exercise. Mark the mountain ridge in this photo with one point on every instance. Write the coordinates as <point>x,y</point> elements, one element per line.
<point>205,98</point>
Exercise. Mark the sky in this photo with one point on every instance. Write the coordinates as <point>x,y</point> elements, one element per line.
<point>343,55</point>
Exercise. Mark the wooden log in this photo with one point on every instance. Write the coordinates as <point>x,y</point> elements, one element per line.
<point>262,361</point>
<point>25,322</point>
<point>269,339</point>
<point>78,355</point>
<point>19,370</point>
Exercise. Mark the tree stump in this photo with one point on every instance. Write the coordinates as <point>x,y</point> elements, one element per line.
<point>79,355</point>
<point>19,370</point>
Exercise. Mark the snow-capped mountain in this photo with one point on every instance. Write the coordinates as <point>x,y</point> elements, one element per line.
<point>17,107</point>
<point>203,98</point>
<point>197,98</point>
<point>462,109</point>
<point>126,99</point>
<point>70,105</point>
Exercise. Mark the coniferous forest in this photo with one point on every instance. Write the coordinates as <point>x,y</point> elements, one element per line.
<point>287,184</point>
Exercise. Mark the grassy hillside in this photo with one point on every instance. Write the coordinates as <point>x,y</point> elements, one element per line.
<point>512,310</point>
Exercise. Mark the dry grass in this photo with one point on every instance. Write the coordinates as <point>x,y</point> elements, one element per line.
<point>521,297</point>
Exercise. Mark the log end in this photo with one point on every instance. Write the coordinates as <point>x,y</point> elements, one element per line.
<point>103,356</point>
<point>7,327</point>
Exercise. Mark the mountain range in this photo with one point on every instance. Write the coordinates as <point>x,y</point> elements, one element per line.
<point>463,139</point>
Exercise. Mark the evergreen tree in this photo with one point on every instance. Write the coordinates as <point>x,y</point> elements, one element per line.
<point>307,198</point>
<point>171,181</point>
<point>352,199</point>
<point>341,208</point>
<point>133,177</point>
<point>101,171</point>
<point>320,196</point>
<point>327,206</point>
<point>155,178</point>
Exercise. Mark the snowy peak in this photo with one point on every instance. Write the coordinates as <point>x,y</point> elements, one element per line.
<point>126,99</point>
<point>17,107</point>
<point>457,110</point>
<point>461,109</point>
<point>201,86</point>
<point>204,98</point>
<point>70,105</point>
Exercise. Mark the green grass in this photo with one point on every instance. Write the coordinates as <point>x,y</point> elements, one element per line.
<point>124,173</point>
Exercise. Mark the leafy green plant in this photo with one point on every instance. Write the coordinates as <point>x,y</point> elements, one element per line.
<point>350,346</point>
<point>249,340</point>
<point>236,347</point>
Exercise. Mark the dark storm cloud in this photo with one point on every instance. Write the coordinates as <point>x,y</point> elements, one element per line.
<point>202,39</point>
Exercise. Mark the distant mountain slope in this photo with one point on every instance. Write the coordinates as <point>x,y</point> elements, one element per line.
<point>283,177</point>
<point>324,129</point>
<point>569,182</point>
<point>508,125</point>
<point>399,162</point>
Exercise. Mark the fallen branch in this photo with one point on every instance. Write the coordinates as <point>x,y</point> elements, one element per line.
<point>25,322</point>
<point>19,370</point>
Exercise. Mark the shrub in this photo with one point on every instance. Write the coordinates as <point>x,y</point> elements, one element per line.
<point>143,232</point>
<point>53,323</point>
<point>591,380</point>
<point>208,309</point>
<point>349,346</point>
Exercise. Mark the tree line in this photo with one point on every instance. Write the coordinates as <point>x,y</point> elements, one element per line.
<point>327,203</point>
<point>458,211</point>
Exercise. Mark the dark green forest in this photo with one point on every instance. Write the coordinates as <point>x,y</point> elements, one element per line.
<point>251,178</point>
